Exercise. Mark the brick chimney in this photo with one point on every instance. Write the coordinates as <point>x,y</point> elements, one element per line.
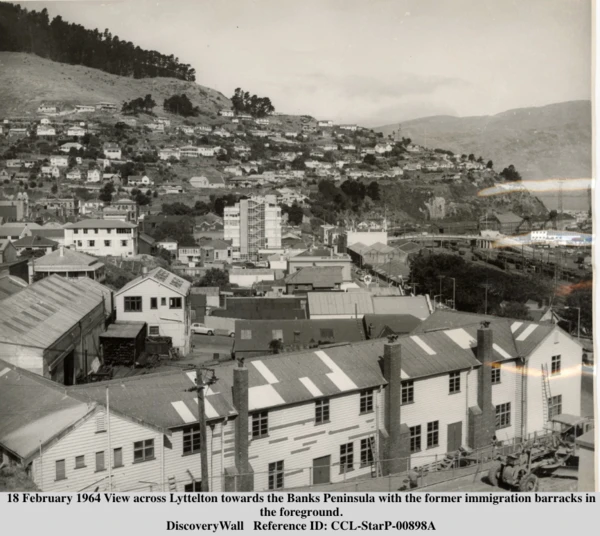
<point>396,439</point>
<point>244,477</point>
<point>482,417</point>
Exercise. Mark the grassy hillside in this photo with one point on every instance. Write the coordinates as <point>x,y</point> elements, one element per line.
<point>545,142</point>
<point>26,81</point>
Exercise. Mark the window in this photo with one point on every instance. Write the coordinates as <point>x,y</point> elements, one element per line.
<point>85,231</point>
<point>174,303</point>
<point>366,452</point>
<point>96,231</point>
<point>100,461</point>
<point>79,462</point>
<point>433,434</point>
<point>163,301</point>
<point>555,369</point>
<point>100,423</point>
<point>191,439</point>
<point>153,303</point>
<point>133,304</point>
<point>415,438</point>
<point>75,231</point>
<point>495,373</point>
<point>61,470</point>
<point>366,401</point>
<point>326,334</point>
<point>322,411</point>
<point>260,424</point>
<point>277,334</point>
<point>194,487</point>
<point>118,457</point>
<point>276,475</point>
<point>554,406</point>
<point>143,450</point>
<point>123,243</point>
<point>454,382</point>
<point>246,334</point>
<point>503,415</point>
<point>123,231</point>
<point>153,330</point>
<point>108,231</point>
<point>79,243</point>
<point>346,457</point>
<point>91,243</point>
<point>408,392</point>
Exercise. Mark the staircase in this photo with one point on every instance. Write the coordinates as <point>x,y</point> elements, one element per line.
<point>546,394</point>
<point>172,484</point>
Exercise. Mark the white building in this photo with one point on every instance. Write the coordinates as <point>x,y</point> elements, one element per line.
<point>162,300</point>
<point>76,131</point>
<point>226,113</point>
<point>59,161</point>
<point>94,175</point>
<point>112,151</point>
<point>101,238</point>
<point>169,152</point>
<point>45,130</point>
<point>84,108</point>
<point>252,224</point>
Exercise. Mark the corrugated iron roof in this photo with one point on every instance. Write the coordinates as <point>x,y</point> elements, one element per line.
<point>123,330</point>
<point>318,276</point>
<point>162,277</point>
<point>101,224</point>
<point>41,313</point>
<point>339,303</point>
<point>67,258</point>
<point>407,305</point>
<point>34,410</point>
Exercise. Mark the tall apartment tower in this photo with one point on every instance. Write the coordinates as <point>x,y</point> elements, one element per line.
<point>251,225</point>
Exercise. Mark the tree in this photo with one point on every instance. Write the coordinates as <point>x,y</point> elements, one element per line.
<point>181,105</point>
<point>370,159</point>
<point>373,191</point>
<point>295,214</point>
<point>510,174</point>
<point>106,192</point>
<point>490,164</point>
<point>149,103</point>
<point>471,157</point>
<point>214,277</point>
<point>54,189</point>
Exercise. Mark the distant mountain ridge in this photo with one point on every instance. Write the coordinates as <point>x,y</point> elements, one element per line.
<point>553,141</point>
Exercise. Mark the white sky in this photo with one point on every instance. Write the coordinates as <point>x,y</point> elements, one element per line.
<point>368,61</point>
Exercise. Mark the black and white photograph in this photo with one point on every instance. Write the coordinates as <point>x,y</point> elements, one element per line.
<point>296,246</point>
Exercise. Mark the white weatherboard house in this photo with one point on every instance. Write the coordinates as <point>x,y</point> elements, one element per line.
<point>162,300</point>
<point>103,237</point>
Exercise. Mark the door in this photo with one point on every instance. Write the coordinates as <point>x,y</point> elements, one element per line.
<point>321,468</point>
<point>454,436</point>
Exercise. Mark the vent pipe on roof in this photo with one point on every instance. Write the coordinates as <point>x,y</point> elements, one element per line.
<point>144,271</point>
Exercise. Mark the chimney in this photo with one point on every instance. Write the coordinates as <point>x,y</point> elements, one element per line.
<point>144,271</point>
<point>396,446</point>
<point>245,480</point>
<point>62,251</point>
<point>482,417</point>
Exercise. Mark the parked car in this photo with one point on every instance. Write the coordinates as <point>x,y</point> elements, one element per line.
<point>201,329</point>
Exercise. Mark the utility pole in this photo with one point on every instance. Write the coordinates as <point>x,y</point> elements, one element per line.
<point>441,277</point>
<point>453,293</point>
<point>201,383</point>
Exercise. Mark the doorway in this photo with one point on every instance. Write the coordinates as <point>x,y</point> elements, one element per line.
<point>321,470</point>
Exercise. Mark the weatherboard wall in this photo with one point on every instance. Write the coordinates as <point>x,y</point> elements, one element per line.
<point>508,391</point>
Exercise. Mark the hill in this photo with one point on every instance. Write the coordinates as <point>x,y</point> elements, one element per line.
<point>26,81</point>
<point>546,142</point>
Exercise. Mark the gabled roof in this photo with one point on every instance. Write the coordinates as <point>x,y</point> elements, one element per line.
<point>411,305</point>
<point>41,313</point>
<point>35,410</point>
<point>67,258</point>
<point>399,324</point>
<point>35,241</point>
<point>9,285</point>
<point>162,277</point>
<point>339,303</point>
<point>166,400</point>
<point>317,276</point>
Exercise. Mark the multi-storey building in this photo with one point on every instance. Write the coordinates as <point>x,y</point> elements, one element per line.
<point>113,238</point>
<point>251,225</point>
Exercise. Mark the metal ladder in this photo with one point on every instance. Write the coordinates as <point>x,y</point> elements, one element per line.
<point>546,394</point>
<point>172,484</point>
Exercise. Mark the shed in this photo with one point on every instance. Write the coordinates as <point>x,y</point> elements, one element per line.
<point>123,342</point>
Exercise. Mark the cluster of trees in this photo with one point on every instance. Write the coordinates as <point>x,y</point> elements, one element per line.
<point>243,102</point>
<point>107,192</point>
<point>214,277</point>
<point>181,105</point>
<point>506,293</point>
<point>510,173</point>
<point>31,31</point>
<point>216,205</point>
<point>352,194</point>
<point>295,213</point>
<point>135,106</point>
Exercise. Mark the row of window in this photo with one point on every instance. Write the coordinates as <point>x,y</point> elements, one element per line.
<point>107,243</point>
<point>367,448</point>
<point>107,231</point>
<point>142,451</point>
<point>433,436</point>
<point>260,420</point>
<point>133,304</point>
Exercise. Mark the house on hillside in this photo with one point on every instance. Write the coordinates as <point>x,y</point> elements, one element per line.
<point>207,182</point>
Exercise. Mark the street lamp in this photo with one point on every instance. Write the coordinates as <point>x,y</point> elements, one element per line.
<point>441,277</point>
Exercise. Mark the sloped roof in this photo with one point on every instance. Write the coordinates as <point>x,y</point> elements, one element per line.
<point>507,217</point>
<point>410,305</point>
<point>318,276</point>
<point>162,277</point>
<point>34,410</point>
<point>294,333</point>
<point>162,399</point>
<point>41,313</point>
<point>339,303</point>
<point>399,324</point>
<point>67,259</point>
<point>101,224</point>
<point>9,285</point>
<point>34,241</point>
